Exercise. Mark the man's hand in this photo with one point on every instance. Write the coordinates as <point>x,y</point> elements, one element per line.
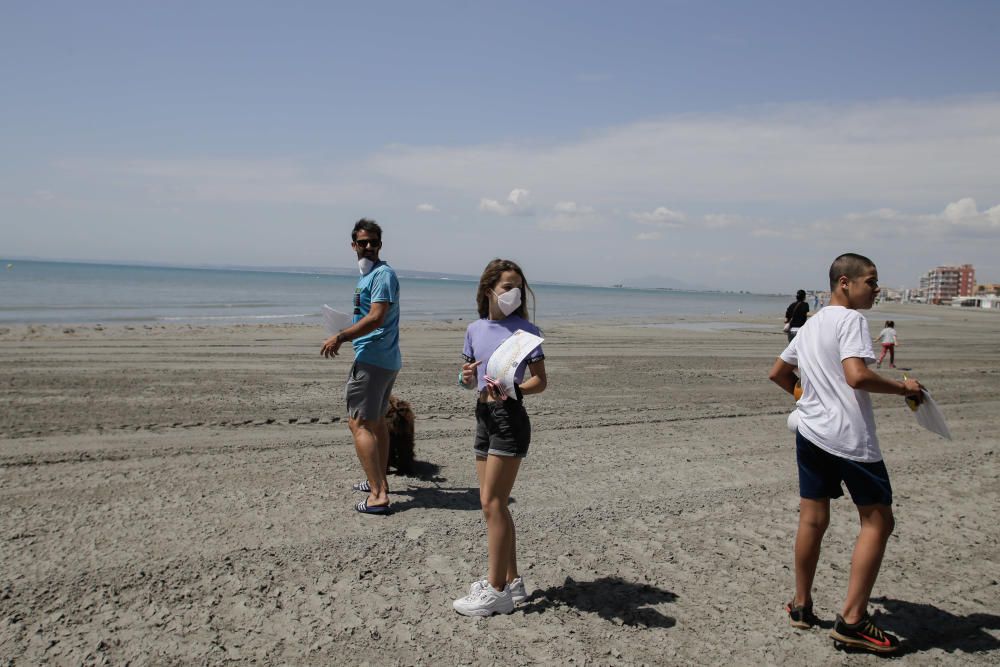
<point>469,373</point>
<point>330,347</point>
<point>911,387</point>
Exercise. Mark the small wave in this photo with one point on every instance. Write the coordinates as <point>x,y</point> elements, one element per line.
<point>236,317</point>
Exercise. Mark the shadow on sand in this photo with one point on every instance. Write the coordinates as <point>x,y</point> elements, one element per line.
<point>610,598</point>
<point>922,627</point>
<point>436,497</point>
<point>422,470</point>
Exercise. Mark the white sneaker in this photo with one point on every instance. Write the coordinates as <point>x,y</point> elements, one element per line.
<point>517,592</point>
<point>486,602</point>
<point>476,587</point>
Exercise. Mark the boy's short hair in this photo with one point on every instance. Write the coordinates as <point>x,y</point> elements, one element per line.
<point>364,224</point>
<point>849,264</point>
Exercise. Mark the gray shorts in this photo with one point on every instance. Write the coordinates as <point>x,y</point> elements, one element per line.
<point>367,391</point>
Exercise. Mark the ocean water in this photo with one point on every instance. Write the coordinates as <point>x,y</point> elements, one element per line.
<point>65,293</point>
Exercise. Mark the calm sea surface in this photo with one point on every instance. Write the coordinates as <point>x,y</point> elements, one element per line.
<point>62,292</point>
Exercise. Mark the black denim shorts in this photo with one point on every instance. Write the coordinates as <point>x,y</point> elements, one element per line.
<point>502,428</point>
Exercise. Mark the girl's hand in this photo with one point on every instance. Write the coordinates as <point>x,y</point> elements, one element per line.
<point>469,372</point>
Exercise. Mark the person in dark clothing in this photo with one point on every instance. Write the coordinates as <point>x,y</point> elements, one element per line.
<point>796,314</point>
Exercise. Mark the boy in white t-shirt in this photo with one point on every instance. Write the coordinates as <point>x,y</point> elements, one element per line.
<point>836,442</point>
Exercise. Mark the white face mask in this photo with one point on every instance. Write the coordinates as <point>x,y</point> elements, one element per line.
<point>365,266</point>
<point>509,301</point>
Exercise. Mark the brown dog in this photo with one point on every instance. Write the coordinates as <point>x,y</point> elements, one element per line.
<point>400,420</point>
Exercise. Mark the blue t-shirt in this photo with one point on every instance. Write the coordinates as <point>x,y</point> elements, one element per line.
<point>381,346</point>
<point>484,336</point>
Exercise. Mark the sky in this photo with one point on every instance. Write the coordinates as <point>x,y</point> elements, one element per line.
<point>731,145</point>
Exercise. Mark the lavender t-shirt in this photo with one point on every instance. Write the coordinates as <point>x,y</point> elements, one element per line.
<point>484,336</point>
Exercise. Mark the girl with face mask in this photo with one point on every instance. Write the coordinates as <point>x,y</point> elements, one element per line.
<point>503,431</point>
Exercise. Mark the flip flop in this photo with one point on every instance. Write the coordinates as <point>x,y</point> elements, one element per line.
<point>363,486</point>
<point>375,509</point>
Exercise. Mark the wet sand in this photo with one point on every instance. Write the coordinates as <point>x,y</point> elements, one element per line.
<point>181,495</point>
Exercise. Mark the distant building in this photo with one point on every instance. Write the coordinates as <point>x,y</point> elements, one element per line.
<point>988,288</point>
<point>984,301</point>
<point>944,283</point>
<point>890,294</point>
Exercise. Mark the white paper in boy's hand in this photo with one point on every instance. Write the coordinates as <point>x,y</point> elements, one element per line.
<point>335,321</point>
<point>504,361</point>
<point>929,416</point>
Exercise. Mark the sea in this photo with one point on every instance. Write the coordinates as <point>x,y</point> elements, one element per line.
<point>43,292</point>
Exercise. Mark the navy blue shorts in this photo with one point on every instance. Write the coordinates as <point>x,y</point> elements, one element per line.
<point>820,475</point>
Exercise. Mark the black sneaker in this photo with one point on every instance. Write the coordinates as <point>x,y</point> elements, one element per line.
<point>801,616</point>
<point>865,635</point>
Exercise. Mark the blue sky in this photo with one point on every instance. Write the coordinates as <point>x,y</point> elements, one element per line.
<point>593,142</point>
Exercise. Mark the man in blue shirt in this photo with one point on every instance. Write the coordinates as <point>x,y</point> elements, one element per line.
<point>374,335</point>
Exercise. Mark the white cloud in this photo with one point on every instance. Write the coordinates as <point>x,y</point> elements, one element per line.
<point>963,209</point>
<point>648,236</point>
<point>894,153</point>
<point>784,183</point>
<point>767,233</point>
<point>228,181</point>
<point>660,217</point>
<point>427,208</point>
<point>570,216</point>
<point>518,202</point>
<point>959,219</point>
<point>878,214</point>
<point>994,215</point>
<point>964,214</point>
<point>723,220</point>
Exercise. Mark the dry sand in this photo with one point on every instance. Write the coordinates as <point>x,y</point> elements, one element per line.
<point>182,495</point>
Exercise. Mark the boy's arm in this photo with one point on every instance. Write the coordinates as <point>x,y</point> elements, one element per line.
<point>859,376</point>
<point>783,375</point>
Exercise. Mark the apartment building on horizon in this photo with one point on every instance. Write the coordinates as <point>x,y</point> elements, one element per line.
<point>944,283</point>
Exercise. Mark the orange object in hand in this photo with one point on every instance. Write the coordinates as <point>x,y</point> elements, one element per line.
<point>797,392</point>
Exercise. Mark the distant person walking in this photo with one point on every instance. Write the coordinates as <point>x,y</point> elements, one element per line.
<point>888,339</point>
<point>374,335</point>
<point>796,314</point>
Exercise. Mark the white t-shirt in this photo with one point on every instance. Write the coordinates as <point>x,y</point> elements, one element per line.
<point>887,335</point>
<point>832,415</point>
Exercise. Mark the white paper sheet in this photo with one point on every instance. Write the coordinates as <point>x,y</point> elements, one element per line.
<point>335,321</point>
<point>929,416</point>
<point>505,360</point>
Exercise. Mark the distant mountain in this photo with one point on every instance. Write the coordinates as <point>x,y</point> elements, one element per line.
<point>661,282</point>
<point>322,270</point>
<point>353,271</point>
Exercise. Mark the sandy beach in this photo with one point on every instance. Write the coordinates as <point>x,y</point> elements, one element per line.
<point>182,495</point>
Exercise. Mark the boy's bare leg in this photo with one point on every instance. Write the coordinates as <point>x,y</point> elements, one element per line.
<point>814,517</point>
<point>368,446</point>
<point>877,523</point>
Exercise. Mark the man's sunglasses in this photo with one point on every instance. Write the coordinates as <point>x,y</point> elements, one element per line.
<point>368,243</point>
